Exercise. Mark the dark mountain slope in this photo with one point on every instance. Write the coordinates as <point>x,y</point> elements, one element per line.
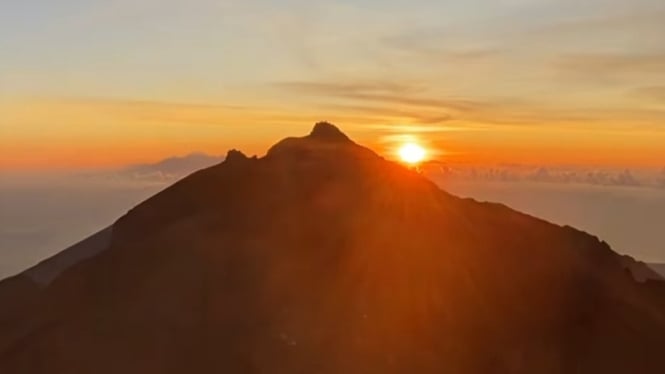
<point>321,257</point>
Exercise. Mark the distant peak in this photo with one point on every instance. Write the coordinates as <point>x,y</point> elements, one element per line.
<point>235,155</point>
<point>327,131</point>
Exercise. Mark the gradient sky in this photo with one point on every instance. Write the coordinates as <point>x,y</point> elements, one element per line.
<point>89,83</point>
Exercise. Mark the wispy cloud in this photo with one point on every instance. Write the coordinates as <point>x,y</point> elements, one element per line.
<point>594,64</point>
<point>417,103</point>
<point>385,102</point>
<point>642,15</point>
<point>389,114</point>
<point>442,45</point>
<point>351,88</point>
<point>435,45</point>
<point>381,92</point>
<point>655,93</point>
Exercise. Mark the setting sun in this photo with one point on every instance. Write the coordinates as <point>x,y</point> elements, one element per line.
<point>412,153</point>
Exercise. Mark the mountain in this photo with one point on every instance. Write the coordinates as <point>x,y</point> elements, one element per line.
<point>171,168</point>
<point>322,257</point>
<point>658,268</point>
<point>639,270</point>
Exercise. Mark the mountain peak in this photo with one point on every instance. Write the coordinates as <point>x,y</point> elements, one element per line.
<point>328,132</point>
<point>235,155</point>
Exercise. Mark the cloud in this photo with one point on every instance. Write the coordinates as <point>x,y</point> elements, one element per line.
<point>655,93</point>
<point>546,174</point>
<point>381,92</point>
<point>595,64</point>
<point>413,116</point>
<point>387,101</point>
<point>401,129</point>
<point>434,46</point>
<point>639,16</point>
<point>417,104</point>
<point>346,88</point>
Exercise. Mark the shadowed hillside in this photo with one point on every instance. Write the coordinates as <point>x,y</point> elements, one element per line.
<point>322,257</point>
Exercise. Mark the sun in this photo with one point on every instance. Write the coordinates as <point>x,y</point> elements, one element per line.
<point>412,153</point>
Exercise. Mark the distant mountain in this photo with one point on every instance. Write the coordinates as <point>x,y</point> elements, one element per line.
<point>639,270</point>
<point>658,268</point>
<point>172,167</point>
<point>322,257</point>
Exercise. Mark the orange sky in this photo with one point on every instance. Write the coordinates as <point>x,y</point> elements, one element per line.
<point>109,83</point>
<point>109,133</point>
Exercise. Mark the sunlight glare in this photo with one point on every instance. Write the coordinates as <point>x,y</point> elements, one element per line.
<point>412,153</point>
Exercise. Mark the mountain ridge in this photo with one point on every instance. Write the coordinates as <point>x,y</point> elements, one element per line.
<point>658,268</point>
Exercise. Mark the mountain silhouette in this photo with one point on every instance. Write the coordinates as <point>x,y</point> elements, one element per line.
<point>322,257</point>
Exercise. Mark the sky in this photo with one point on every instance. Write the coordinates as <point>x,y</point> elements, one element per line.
<point>106,83</point>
